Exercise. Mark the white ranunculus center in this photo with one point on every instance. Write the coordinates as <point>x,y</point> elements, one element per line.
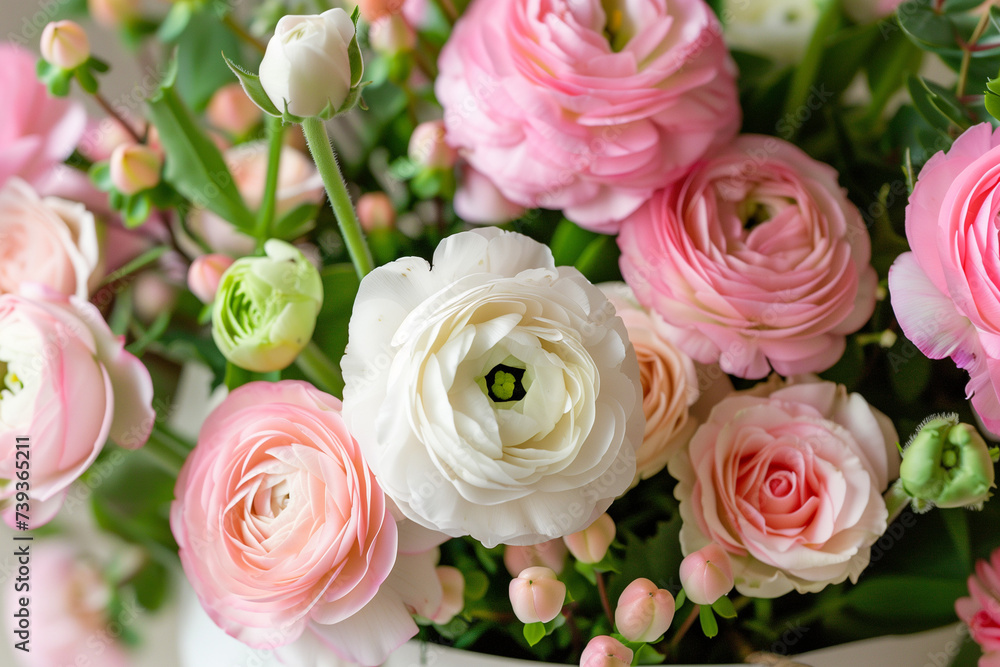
<point>19,373</point>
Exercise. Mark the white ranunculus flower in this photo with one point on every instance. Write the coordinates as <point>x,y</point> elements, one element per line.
<point>494,395</point>
<point>776,29</point>
<point>307,64</point>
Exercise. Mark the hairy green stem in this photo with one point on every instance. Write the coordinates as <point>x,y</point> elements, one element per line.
<point>265,215</point>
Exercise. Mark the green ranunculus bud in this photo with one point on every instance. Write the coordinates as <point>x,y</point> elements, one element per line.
<point>947,464</point>
<point>265,308</point>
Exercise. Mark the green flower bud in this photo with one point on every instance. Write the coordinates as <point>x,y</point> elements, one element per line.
<point>947,464</point>
<point>265,308</point>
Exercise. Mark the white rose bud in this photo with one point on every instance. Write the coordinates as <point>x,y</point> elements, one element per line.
<point>307,64</point>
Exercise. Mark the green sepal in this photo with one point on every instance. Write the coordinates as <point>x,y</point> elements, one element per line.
<point>354,53</point>
<point>97,65</point>
<point>253,88</point>
<point>100,176</point>
<point>724,607</point>
<point>680,599</point>
<point>992,99</point>
<point>86,79</point>
<point>136,209</point>
<point>709,626</point>
<point>534,632</point>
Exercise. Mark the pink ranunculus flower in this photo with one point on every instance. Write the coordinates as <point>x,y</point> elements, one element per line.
<point>981,611</point>
<point>286,535</point>
<point>68,597</point>
<point>587,106</point>
<point>46,240</point>
<point>787,478</point>
<point>946,292</point>
<point>669,382</point>
<point>37,131</point>
<point>66,383</point>
<point>755,259</point>
<point>298,183</point>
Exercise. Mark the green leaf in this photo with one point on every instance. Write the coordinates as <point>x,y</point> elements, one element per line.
<point>906,597</point>
<point>534,632</point>
<point>587,570</point>
<point>599,260</point>
<point>200,71</point>
<point>960,6</point>
<point>992,99</point>
<point>253,88</point>
<point>476,585</point>
<point>176,21</point>
<point>427,184</point>
<point>724,607</point>
<point>86,79</point>
<point>194,165</point>
<point>680,599</point>
<point>926,102</point>
<point>647,655</point>
<point>143,260</point>
<point>957,522</point>
<point>150,585</point>
<point>930,30</point>
<point>569,241</point>
<point>296,222</point>
<point>709,625</point>
<point>137,208</point>
<point>100,176</point>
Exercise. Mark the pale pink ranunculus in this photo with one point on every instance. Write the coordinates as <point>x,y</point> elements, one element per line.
<point>285,534</point>
<point>669,382</point>
<point>70,599</point>
<point>755,259</point>
<point>477,200</point>
<point>787,478</point>
<point>946,292</point>
<point>299,183</point>
<point>981,610</point>
<point>66,383</point>
<point>37,131</point>
<point>587,106</point>
<point>46,240</point>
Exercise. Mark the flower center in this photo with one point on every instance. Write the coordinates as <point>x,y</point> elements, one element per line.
<point>616,29</point>
<point>10,383</point>
<point>505,383</point>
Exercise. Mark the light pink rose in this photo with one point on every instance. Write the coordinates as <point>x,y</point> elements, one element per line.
<point>669,382</point>
<point>755,258</point>
<point>37,131</point>
<point>787,478</point>
<point>587,106</point>
<point>67,383</point>
<point>45,240</point>
<point>946,293</point>
<point>298,183</point>
<point>69,598</point>
<point>981,611</point>
<point>285,534</point>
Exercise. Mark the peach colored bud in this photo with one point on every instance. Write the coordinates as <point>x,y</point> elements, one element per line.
<point>453,594</point>
<point>112,13</point>
<point>152,295</point>
<point>135,168</point>
<point>604,651</point>
<point>231,110</point>
<point>591,544</point>
<point>205,273</point>
<point>644,611</point>
<point>428,148</point>
<point>391,34</point>
<point>707,574</point>
<point>372,10</point>
<point>551,554</point>
<point>375,211</point>
<point>65,44</point>
<point>536,595</point>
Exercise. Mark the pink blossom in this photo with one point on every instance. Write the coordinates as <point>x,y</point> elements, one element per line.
<point>478,200</point>
<point>285,535</point>
<point>46,240</point>
<point>565,105</point>
<point>946,293</point>
<point>755,259</point>
<point>68,384</point>
<point>787,478</point>
<point>644,612</point>
<point>591,544</point>
<point>37,131</point>
<point>707,574</point>
<point>981,611</point>
<point>536,595</point>
<point>551,554</point>
<point>69,598</point>
<point>605,651</point>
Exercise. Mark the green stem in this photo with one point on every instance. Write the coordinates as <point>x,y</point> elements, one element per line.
<point>602,591</point>
<point>963,72</point>
<point>265,215</point>
<point>805,74</point>
<point>164,452</point>
<point>447,9</point>
<point>318,368</point>
<point>241,32</point>
<point>681,631</point>
<point>896,501</point>
<point>326,162</point>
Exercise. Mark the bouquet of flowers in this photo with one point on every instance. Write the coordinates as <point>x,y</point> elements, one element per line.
<point>588,332</point>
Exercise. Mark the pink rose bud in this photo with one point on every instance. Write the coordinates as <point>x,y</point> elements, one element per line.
<point>644,611</point>
<point>707,574</point>
<point>453,593</point>
<point>536,595</point>
<point>65,44</point>
<point>112,13</point>
<point>135,168</point>
<point>231,110</point>
<point>551,554</point>
<point>604,651</point>
<point>375,211</point>
<point>591,544</point>
<point>428,147</point>
<point>205,273</point>
<point>391,34</point>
